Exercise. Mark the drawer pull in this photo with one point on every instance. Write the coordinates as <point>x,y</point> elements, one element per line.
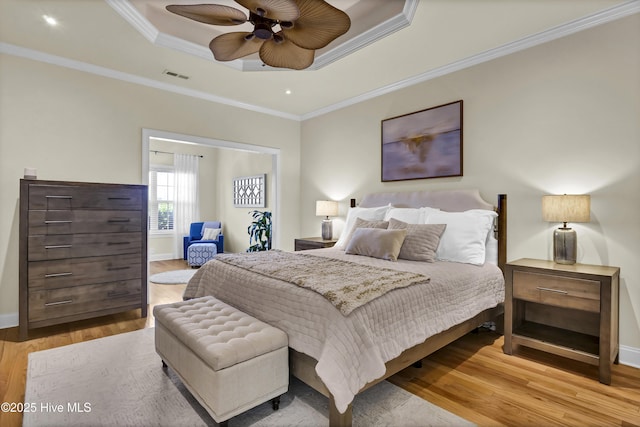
<point>58,222</point>
<point>57,246</point>
<point>57,274</point>
<point>117,294</point>
<point>557,291</point>
<point>119,198</point>
<point>59,197</point>
<point>118,268</point>
<point>118,243</point>
<point>119,220</point>
<point>49,304</point>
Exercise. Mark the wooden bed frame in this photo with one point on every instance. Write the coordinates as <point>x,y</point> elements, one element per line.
<point>303,366</point>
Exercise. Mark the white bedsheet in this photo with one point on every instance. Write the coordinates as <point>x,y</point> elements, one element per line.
<point>352,350</point>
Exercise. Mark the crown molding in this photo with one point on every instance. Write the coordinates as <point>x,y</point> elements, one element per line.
<point>133,16</point>
<point>605,16</point>
<point>602,17</point>
<point>35,55</point>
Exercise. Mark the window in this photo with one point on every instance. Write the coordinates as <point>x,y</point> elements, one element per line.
<point>161,199</point>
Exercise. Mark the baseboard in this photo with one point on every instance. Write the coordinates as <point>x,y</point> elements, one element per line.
<point>9,320</point>
<point>629,356</point>
<point>161,257</point>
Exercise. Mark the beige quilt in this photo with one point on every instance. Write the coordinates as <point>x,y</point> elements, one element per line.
<point>347,285</point>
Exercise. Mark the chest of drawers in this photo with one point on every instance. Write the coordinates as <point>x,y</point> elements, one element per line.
<point>83,251</point>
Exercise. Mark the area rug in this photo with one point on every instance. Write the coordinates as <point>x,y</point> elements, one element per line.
<point>119,381</point>
<point>173,277</point>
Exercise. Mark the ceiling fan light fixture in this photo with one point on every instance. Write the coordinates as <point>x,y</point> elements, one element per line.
<point>263,31</point>
<point>286,33</point>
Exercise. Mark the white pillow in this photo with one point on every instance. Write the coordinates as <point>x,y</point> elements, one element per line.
<point>465,237</point>
<point>408,215</point>
<point>210,233</point>
<point>491,256</point>
<point>364,213</point>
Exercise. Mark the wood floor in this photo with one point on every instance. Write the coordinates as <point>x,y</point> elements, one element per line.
<point>472,377</point>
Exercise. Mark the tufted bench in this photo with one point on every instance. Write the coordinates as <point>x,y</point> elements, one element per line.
<point>199,253</point>
<point>227,359</point>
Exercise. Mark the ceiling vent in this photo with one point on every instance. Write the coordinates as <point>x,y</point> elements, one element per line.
<point>174,74</point>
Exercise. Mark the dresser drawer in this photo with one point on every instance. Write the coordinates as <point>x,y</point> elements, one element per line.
<point>54,197</point>
<point>83,221</point>
<point>50,304</point>
<point>46,247</point>
<point>557,290</point>
<point>69,272</point>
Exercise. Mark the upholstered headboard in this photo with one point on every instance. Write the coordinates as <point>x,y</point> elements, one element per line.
<point>450,201</point>
<point>447,200</point>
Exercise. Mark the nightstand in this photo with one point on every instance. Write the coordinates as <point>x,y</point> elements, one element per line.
<point>313,243</point>
<point>567,310</point>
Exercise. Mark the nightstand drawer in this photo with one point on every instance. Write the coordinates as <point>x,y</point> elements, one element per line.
<point>560,291</point>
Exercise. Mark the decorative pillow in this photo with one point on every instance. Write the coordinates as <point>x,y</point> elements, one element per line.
<point>363,223</point>
<point>465,236</point>
<point>421,241</point>
<point>377,243</point>
<point>210,233</point>
<point>364,213</point>
<point>410,215</point>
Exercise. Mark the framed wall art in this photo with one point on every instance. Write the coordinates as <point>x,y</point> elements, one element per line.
<point>424,144</point>
<point>249,191</point>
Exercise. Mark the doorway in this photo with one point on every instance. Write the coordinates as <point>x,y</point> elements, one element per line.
<point>228,149</point>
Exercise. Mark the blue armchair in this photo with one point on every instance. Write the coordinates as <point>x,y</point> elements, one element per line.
<point>196,232</point>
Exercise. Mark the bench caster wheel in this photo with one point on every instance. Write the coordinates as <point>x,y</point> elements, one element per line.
<point>275,403</point>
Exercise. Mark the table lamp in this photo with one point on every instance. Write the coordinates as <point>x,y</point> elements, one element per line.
<point>327,208</point>
<point>566,208</point>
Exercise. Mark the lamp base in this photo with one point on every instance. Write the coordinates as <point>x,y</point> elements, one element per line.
<point>565,245</point>
<point>327,229</point>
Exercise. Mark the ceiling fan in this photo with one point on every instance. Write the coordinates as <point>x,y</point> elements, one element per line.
<point>286,33</point>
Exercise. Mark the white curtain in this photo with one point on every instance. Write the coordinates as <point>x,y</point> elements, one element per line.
<point>187,206</point>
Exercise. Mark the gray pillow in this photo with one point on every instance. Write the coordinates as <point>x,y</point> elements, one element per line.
<point>421,242</point>
<point>377,243</point>
<point>364,223</point>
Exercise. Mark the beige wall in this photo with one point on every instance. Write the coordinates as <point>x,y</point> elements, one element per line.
<point>77,126</point>
<point>560,117</point>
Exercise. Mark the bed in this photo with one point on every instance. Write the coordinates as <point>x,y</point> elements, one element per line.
<point>341,349</point>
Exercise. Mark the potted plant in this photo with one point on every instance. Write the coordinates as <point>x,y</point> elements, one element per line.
<point>259,231</point>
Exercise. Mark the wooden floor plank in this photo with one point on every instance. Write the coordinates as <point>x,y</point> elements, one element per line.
<point>471,377</point>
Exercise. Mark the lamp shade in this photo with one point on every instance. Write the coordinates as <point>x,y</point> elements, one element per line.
<point>326,208</point>
<point>566,208</point>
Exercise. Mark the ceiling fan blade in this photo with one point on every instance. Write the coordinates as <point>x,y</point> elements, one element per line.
<point>319,24</point>
<point>280,10</point>
<point>213,14</point>
<point>285,54</point>
<point>230,46</point>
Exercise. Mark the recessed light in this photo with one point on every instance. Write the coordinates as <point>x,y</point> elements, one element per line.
<point>50,20</point>
<point>288,91</point>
